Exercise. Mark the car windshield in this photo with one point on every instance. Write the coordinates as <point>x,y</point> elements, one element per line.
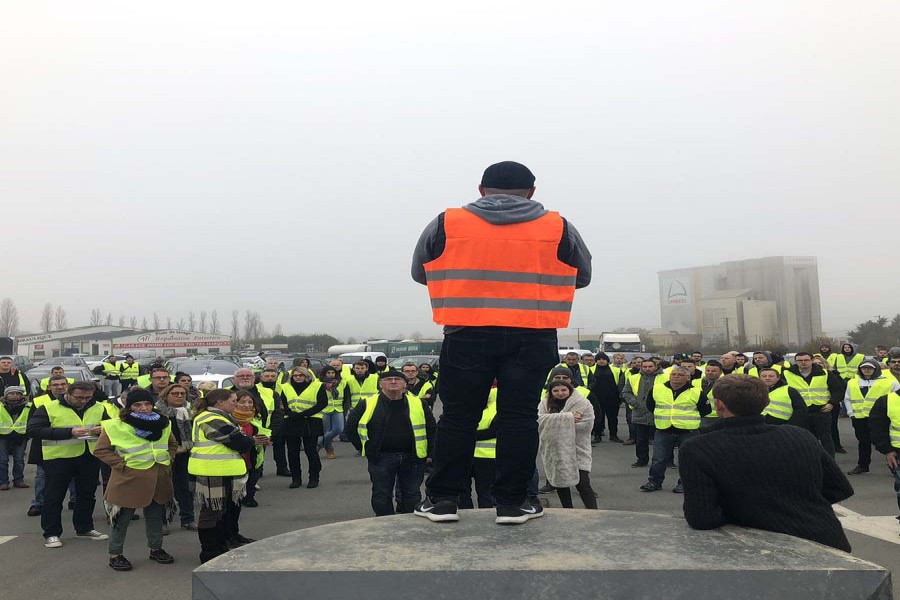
<point>199,367</point>
<point>64,360</point>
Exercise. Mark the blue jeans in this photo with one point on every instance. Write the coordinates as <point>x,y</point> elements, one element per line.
<point>471,359</point>
<point>334,426</point>
<point>664,443</point>
<point>16,450</point>
<point>403,468</point>
<point>40,481</point>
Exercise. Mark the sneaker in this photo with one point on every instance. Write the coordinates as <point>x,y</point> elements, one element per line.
<point>639,463</point>
<point>257,487</point>
<point>34,511</point>
<point>249,502</point>
<point>534,501</point>
<point>678,489</point>
<point>514,515</point>
<point>93,534</point>
<point>651,487</point>
<point>546,489</point>
<point>858,470</point>
<point>119,563</point>
<point>52,542</point>
<point>161,556</point>
<point>437,512</point>
<point>4,487</point>
<point>840,450</point>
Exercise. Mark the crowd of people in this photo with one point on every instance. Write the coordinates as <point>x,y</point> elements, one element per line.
<point>173,449</point>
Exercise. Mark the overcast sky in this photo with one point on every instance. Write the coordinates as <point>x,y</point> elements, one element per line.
<point>284,157</point>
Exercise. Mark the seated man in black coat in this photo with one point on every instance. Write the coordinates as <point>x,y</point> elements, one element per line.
<point>745,472</point>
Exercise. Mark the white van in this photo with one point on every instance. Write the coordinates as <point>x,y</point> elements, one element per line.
<point>351,357</point>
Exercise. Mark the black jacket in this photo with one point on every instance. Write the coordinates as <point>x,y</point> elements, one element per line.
<point>303,423</point>
<point>776,478</point>
<point>880,427</point>
<point>376,427</point>
<point>604,387</point>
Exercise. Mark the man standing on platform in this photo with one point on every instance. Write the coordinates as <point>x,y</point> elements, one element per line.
<point>501,274</point>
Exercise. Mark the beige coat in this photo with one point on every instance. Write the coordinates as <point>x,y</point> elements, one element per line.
<point>135,488</point>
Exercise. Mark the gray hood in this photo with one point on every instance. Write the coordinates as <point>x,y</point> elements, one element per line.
<point>869,363</point>
<point>503,209</point>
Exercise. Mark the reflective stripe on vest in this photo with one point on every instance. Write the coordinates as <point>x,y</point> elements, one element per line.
<point>213,459</point>
<point>815,393</point>
<point>63,416</point>
<point>368,387</point>
<point>862,404</point>
<point>268,398</point>
<point>137,452</point>
<point>779,405</point>
<point>501,275</point>
<point>893,413</point>
<point>847,370</point>
<point>680,412</point>
<point>9,425</point>
<point>416,418</point>
<point>111,370</point>
<point>487,448</point>
<point>304,400</point>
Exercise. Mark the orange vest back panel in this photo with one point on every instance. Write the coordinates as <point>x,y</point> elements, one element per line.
<point>501,275</point>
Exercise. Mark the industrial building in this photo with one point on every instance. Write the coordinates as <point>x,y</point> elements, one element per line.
<point>744,301</point>
<point>110,339</point>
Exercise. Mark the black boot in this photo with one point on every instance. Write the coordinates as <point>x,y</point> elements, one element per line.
<point>212,543</point>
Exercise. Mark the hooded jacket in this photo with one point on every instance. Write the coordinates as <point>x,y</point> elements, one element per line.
<point>865,384</point>
<point>503,209</point>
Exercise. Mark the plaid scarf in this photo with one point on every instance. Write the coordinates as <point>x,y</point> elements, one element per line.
<point>212,492</point>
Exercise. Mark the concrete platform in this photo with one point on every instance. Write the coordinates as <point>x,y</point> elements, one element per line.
<point>566,554</point>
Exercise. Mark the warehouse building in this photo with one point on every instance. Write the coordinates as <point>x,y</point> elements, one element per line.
<point>111,339</point>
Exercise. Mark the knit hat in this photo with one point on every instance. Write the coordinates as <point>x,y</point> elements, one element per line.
<point>137,395</point>
<point>602,356</point>
<point>508,175</point>
<point>14,388</point>
<point>560,371</point>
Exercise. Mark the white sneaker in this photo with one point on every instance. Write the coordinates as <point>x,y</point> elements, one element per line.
<point>258,487</point>
<point>52,542</point>
<point>93,534</point>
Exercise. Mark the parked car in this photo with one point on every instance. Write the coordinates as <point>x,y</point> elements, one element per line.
<point>219,371</point>
<point>20,362</point>
<point>77,373</point>
<point>64,361</point>
<point>418,359</point>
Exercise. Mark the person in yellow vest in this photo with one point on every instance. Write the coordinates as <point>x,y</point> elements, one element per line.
<point>893,364</point>
<point>394,430</point>
<point>761,360</point>
<point>578,371</point>
<point>362,384</point>
<point>484,467</point>
<point>564,425</point>
<point>820,390</point>
<point>53,372</point>
<point>339,402</point>
<point>677,409</point>
<point>247,415</point>
<point>590,363</point>
<point>14,411</point>
<point>380,364</point>
<point>629,371</point>
<point>884,425</point>
<point>56,389</point>
<point>68,429</point>
<point>786,405</point>
<point>139,447</point>
<point>9,375</point>
<point>635,394</point>
<point>881,354</point>
<point>697,357</point>
<point>417,386</point>
<point>112,372</point>
<point>712,373</point>
<point>846,362</point>
<point>740,361</point>
<point>868,386</point>
<point>130,370</point>
<point>270,392</point>
<point>837,392</point>
<point>173,404</point>
<point>303,400</point>
<point>220,472</point>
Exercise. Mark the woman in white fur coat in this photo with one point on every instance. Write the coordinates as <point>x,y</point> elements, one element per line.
<point>565,420</point>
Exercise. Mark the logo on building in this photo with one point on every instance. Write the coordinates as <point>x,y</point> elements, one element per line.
<point>677,293</point>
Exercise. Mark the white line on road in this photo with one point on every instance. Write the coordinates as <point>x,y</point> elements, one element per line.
<point>883,528</point>
<point>7,538</point>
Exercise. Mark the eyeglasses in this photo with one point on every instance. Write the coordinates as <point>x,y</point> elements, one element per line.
<point>177,394</point>
<point>85,398</point>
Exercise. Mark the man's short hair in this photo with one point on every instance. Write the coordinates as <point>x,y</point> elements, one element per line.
<point>361,362</point>
<point>568,354</point>
<point>880,347</point>
<point>680,369</point>
<point>84,386</point>
<point>587,354</point>
<point>158,370</point>
<point>764,369</point>
<point>5,358</point>
<point>271,370</point>
<point>58,378</point>
<point>688,360</point>
<point>409,364</point>
<point>743,395</point>
<point>803,354</point>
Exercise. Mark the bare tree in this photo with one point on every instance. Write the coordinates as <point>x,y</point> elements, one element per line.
<point>277,330</point>
<point>155,320</point>
<point>47,318</point>
<point>133,322</point>
<point>9,317</point>
<point>144,323</point>
<point>235,325</point>
<point>248,325</point>
<point>168,322</point>
<point>121,320</point>
<point>109,318</point>
<point>96,317</point>
<point>60,318</point>
<point>203,315</point>
<point>180,325</point>
<point>416,335</point>
<point>351,340</point>
<point>214,321</point>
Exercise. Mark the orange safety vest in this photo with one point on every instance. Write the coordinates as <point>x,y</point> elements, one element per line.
<point>501,275</point>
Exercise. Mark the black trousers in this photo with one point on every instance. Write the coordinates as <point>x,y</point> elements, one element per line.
<point>820,426</point>
<point>310,447</point>
<point>484,470</point>
<point>835,434</point>
<point>610,411</point>
<point>279,444</point>
<point>85,471</point>
<point>864,437</point>
<point>642,441</point>
<point>471,359</point>
<point>584,490</point>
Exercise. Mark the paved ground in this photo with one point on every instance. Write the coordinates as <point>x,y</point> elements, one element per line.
<point>79,568</point>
